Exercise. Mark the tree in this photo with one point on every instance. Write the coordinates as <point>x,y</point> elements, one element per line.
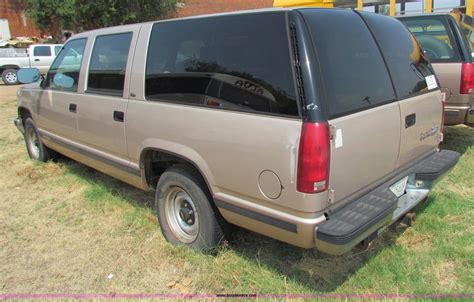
<point>80,15</point>
<point>50,15</point>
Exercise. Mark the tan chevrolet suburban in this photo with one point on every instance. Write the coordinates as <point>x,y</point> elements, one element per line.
<point>317,127</point>
<point>444,39</point>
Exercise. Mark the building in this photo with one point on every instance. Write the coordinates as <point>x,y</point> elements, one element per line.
<point>14,22</point>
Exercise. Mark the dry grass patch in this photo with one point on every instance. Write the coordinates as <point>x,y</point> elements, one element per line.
<point>68,228</point>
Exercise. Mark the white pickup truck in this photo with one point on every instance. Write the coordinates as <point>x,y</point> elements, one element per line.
<point>39,55</point>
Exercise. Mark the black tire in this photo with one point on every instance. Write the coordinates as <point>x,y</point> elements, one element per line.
<point>36,149</point>
<point>207,220</point>
<point>9,77</point>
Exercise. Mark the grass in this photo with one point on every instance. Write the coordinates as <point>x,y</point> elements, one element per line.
<point>66,227</point>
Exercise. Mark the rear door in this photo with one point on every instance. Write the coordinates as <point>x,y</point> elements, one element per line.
<point>101,112</point>
<point>415,84</point>
<point>363,107</point>
<point>42,57</point>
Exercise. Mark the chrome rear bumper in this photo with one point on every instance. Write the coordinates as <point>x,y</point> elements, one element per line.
<point>365,216</point>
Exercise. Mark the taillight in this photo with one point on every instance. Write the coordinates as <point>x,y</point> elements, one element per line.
<point>313,158</point>
<point>467,78</point>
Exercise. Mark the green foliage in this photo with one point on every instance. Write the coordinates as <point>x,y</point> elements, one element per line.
<point>80,15</point>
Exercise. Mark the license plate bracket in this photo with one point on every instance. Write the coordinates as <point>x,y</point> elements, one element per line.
<point>399,187</point>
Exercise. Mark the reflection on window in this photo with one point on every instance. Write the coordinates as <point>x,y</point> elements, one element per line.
<point>433,37</point>
<point>66,67</point>
<point>57,49</point>
<point>407,63</point>
<point>237,62</point>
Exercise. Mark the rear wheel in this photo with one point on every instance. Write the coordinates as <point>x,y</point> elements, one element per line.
<point>36,149</point>
<point>9,77</point>
<point>185,212</point>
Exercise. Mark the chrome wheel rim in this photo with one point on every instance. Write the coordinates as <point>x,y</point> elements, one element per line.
<point>33,143</point>
<point>11,77</point>
<point>181,215</point>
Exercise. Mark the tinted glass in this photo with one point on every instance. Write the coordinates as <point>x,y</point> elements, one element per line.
<point>57,49</point>
<point>433,36</point>
<point>467,29</point>
<point>108,64</point>
<point>67,66</point>
<point>354,74</point>
<point>233,62</point>
<point>406,61</point>
<point>42,51</point>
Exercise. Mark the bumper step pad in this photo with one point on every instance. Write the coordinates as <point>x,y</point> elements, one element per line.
<point>352,223</point>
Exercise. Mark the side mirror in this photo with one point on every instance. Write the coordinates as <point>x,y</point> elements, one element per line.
<point>63,80</point>
<point>28,75</point>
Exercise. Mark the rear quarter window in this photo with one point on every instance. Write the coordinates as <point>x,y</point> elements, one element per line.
<point>239,63</point>
<point>408,65</point>
<point>353,71</point>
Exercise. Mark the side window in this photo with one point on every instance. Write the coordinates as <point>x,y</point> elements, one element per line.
<point>239,63</point>
<point>42,51</point>
<point>109,63</point>
<point>406,61</point>
<point>354,73</point>
<point>57,49</point>
<point>433,36</point>
<point>64,72</point>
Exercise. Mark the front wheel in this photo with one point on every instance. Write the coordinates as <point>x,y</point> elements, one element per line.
<point>185,212</point>
<point>36,149</point>
<point>9,77</point>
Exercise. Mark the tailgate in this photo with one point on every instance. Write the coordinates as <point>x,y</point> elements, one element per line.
<point>421,126</point>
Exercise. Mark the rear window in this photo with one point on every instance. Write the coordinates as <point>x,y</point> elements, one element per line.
<point>42,51</point>
<point>408,65</point>
<point>435,39</point>
<point>354,74</point>
<point>239,63</point>
<point>109,63</point>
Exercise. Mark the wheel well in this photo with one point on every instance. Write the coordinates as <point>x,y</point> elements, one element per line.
<point>8,67</point>
<point>155,162</point>
<point>24,113</point>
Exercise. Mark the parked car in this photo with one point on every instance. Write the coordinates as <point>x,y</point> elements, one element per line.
<point>446,44</point>
<point>39,55</point>
<point>239,118</point>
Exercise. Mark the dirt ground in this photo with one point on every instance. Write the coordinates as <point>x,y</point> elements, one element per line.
<point>44,250</point>
<point>7,93</point>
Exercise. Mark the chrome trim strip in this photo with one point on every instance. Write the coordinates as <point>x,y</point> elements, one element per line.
<point>89,152</point>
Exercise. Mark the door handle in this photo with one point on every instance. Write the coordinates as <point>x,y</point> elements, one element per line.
<point>37,60</point>
<point>119,116</point>
<point>410,120</point>
<point>73,108</point>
